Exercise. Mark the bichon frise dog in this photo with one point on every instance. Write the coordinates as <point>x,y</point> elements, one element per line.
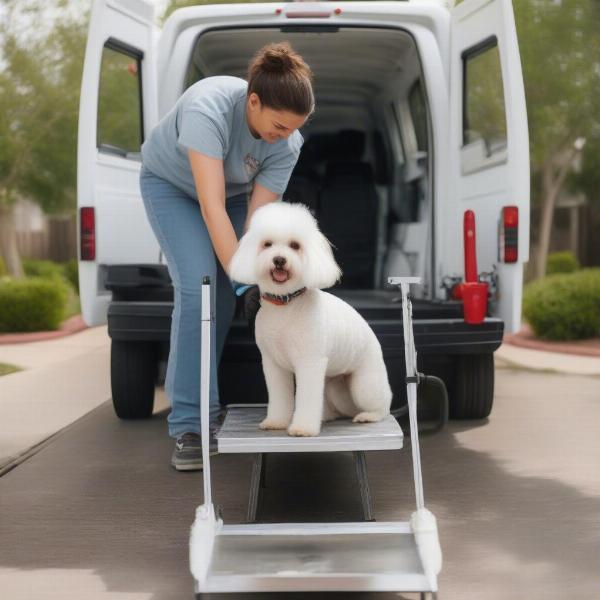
<point>304,332</point>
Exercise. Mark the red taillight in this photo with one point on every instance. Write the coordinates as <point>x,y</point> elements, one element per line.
<point>509,234</point>
<point>87,231</point>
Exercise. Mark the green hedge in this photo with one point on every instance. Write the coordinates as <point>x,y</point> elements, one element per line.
<point>71,273</point>
<point>564,306</point>
<point>47,269</point>
<point>35,304</point>
<point>561,262</point>
<point>53,270</point>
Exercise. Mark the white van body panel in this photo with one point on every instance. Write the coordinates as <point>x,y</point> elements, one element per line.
<point>482,184</point>
<point>109,182</point>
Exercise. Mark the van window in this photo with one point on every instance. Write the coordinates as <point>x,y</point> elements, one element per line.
<point>418,111</point>
<point>484,114</point>
<point>120,127</point>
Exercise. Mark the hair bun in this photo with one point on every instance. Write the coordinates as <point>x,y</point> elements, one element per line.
<point>278,58</point>
<point>281,79</point>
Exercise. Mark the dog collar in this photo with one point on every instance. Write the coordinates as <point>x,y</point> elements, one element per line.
<point>281,300</point>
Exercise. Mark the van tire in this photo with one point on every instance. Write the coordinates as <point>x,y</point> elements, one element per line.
<point>133,372</point>
<point>474,387</point>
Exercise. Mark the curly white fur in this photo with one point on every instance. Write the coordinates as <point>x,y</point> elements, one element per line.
<point>318,338</point>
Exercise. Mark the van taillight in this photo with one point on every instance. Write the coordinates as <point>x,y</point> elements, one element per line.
<point>509,234</point>
<point>87,237</point>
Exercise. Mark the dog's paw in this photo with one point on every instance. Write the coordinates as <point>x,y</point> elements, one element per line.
<point>302,431</point>
<point>367,417</point>
<point>273,424</point>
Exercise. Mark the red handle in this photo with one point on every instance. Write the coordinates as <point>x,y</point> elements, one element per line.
<point>470,251</point>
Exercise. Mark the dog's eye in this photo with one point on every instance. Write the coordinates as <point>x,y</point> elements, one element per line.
<point>267,244</point>
<point>294,245</point>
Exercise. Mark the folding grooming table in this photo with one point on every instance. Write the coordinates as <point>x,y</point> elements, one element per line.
<point>292,557</point>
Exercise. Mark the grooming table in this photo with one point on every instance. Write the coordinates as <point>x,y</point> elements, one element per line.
<point>398,556</point>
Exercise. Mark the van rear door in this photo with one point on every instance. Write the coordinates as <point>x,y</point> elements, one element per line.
<point>117,108</point>
<point>489,146</point>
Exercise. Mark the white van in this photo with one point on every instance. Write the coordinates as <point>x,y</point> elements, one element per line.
<point>420,116</point>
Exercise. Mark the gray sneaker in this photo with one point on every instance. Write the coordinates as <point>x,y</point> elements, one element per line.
<point>187,454</point>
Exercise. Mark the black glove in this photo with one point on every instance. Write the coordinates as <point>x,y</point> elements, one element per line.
<point>251,304</point>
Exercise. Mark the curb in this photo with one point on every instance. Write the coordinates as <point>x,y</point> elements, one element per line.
<point>72,325</point>
<point>526,339</point>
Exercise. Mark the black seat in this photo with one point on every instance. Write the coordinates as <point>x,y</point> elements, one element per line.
<point>304,184</point>
<point>347,212</point>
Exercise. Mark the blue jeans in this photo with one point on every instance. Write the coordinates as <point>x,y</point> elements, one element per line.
<point>177,222</point>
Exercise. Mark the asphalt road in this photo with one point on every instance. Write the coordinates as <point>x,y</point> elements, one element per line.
<point>98,513</point>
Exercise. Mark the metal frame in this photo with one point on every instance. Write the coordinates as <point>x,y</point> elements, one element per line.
<point>257,484</point>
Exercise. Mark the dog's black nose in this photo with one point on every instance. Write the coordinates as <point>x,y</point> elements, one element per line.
<point>279,261</point>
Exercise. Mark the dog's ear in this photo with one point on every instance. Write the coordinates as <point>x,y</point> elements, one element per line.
<point>242,267</point>
<point>320,270</point>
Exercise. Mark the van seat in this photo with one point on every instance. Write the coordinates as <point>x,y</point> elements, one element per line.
<point>305,182</point>
<point>347,216</point>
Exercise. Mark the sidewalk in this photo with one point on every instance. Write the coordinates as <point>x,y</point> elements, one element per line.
<point>510,356</point>
<point>63,379</point>
<point>524,350</point>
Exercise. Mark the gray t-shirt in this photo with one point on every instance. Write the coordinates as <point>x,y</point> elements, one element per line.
<point>210,117</point>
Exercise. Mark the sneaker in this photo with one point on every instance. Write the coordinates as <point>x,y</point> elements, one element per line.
<point>187,454</point>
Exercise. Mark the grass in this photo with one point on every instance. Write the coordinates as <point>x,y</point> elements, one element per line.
<point>7,369</point>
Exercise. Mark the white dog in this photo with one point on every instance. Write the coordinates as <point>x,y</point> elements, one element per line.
<point>303,331</point>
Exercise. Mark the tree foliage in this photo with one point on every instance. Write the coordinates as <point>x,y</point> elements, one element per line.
<point>39,101</point>
<point>560,53</point>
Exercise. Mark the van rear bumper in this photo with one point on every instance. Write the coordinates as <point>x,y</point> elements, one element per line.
<point>151,321</point>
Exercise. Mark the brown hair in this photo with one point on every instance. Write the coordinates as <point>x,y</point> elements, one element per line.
<point>281,79</point>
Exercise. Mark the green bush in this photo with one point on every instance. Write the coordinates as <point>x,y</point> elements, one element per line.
<point>561,262</point>
<point>71,273</point>
<point>3,270</point>
<point>35,304</point>
<point>564,306</point>
<point>42,268</point>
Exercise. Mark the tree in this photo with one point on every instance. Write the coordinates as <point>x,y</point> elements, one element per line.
<point>39,98</point>
<point>560,53</point>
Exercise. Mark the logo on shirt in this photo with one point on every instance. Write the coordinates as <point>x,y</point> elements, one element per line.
<point>251,165</point>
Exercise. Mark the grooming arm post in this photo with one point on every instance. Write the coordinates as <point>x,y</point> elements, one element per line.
<point>205,387</point>
<point>422,521</point>
<point>410,355</point>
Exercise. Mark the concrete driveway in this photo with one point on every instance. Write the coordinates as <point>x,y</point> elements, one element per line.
<point>98,513</point>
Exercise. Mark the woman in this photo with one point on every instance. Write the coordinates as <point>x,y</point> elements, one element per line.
<point>229,146</point>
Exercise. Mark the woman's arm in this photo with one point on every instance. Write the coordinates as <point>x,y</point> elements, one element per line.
<point>209,178</point>
<point>260,196</point>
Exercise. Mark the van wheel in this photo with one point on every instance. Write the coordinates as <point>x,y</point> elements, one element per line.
<point>133,372</point>
<point>474,387</point>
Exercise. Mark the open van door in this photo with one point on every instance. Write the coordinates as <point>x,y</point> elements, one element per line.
<point>117,107</point>
<point>490,147</point>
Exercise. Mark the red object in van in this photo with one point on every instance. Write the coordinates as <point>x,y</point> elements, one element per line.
<point>475,296</point>
<point>470,249</point>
